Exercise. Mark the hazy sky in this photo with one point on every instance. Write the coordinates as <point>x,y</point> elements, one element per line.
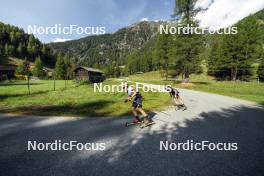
<point>114,14</point>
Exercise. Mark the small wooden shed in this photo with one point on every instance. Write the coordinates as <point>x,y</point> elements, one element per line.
<point>89,74</point>
<point>7,71</point>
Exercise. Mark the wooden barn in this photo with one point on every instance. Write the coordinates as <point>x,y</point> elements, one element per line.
<point>7,72</point>
<point>88,74</point>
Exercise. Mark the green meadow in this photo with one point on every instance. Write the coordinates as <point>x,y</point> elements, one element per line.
<point>70,100</point>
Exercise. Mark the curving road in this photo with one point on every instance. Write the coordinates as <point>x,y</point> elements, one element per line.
<point>135,151</point>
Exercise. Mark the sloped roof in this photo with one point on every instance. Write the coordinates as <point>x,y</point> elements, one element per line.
<point>90,69</point>
<point>7,67</point>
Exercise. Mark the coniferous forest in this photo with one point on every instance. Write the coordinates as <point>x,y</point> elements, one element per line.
<point>15,42</point>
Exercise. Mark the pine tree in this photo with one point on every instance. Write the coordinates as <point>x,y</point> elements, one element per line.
<point>12,38</point>
<point>29,49</point>
<point>1,50</point>
<point>69,66</point>
<point>38,70</point>
<point>260,71</point>
<point>215,65</point>
<point>242,49</point>
<point>161,52</point>
<point>187,47</point>
<point>6,50</point>
<point>185,10</point>
<point>11,50</point>
<point>60,68</point>
<point>20,50</point>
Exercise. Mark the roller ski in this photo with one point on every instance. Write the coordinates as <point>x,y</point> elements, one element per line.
<point>147,122</point>
<point>180,107</point>
<point>133,123</point>
<point>136,121</point>
<point>143,125</point>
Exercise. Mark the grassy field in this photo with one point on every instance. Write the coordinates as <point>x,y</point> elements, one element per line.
<point>74,100</point>
<point>251,91</point>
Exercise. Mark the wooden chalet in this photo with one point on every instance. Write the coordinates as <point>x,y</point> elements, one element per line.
<point>88,74</point>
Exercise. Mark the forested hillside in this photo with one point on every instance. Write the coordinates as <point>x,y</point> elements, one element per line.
<point>109,49</point>
<point>226,57</point>
<point>139,48</point>
<point>14,42</point>
<point>234,56</point>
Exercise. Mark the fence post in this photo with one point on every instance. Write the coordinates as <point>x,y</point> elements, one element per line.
<point>28,77</point>
<point>53,81</point>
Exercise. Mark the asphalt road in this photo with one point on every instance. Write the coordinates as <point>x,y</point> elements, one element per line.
<point>135,151</point>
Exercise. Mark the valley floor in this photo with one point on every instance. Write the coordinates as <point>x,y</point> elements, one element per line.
<point>71,99</point>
